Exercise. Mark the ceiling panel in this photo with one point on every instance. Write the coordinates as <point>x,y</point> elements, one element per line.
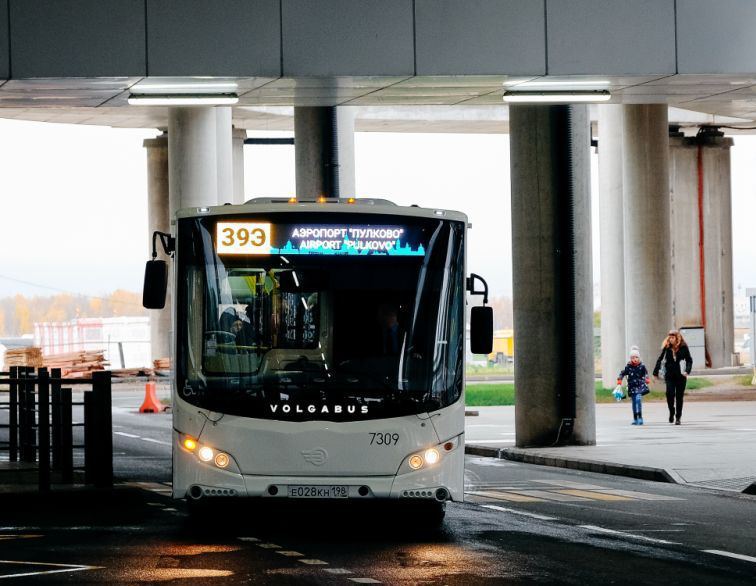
<point>79,83</point>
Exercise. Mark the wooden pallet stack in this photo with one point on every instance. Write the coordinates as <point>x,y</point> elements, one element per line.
<point>162,363</point>
<point>131,372</point>
<point>79,364</point>
<point>23,357</point>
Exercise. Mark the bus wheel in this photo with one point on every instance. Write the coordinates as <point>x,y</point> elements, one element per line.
<point>198,509</point>
<point>433,513</point>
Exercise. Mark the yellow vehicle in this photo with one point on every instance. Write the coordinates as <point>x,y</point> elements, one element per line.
<point>503,347</point>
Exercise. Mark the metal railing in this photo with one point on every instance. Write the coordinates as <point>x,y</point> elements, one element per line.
<point>41,424</point>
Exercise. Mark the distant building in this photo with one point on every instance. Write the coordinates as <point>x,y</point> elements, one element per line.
<point>125,340</point>
<point>742,311</point>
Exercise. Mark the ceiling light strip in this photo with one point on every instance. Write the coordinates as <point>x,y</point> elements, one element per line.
<point>183,99</point>
<point>556,97</point>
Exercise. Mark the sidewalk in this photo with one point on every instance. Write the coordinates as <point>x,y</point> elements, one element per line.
<point>713,448</point>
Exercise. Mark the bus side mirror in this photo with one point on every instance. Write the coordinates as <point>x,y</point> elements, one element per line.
<point>155,284</point>
<point>481,330</point>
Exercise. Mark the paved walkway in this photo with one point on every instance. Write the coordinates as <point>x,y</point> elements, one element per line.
<point>714,447</point>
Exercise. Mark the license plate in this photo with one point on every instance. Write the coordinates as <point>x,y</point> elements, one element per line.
<point>319,492</point>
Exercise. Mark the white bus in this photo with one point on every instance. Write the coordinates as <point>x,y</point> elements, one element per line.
<point>319,351</point>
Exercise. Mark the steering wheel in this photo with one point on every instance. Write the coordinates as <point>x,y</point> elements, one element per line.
<point>221,336</point>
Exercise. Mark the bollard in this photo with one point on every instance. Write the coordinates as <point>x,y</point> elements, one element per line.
<point>27,421</point>
<point>104,438</point>
<point>13,416</point>
<point>89,437</point>
<point>55,421</point>
<point>151,403</point>
<point>43,429</point>
<point>66,436</point>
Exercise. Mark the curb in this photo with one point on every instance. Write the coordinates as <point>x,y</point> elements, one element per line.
<point>528,457</point>
<point>483,451</point>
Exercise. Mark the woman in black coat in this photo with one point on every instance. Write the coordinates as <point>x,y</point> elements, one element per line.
<point>674,352</point>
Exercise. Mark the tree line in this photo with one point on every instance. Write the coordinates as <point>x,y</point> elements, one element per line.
<point>19,313</point>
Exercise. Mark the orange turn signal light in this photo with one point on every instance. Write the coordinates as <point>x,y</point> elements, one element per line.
<point>190,444</point>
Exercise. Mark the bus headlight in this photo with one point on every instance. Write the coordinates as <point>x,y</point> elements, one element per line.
<point>431,456</point>
<point>221,460</point>
<point>415,462</point>
<point>207,454</point>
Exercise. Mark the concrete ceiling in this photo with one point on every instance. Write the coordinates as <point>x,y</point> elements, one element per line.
<point>470,104</point>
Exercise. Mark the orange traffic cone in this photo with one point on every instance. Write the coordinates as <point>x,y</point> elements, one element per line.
<point>151,403</point>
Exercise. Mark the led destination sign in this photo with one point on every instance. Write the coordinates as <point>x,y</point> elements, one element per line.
<point>316,239</point>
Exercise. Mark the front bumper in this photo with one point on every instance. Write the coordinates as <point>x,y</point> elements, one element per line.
<point>206,480</point>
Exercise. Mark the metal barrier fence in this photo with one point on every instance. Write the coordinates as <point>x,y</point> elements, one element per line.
<point>41,424</point>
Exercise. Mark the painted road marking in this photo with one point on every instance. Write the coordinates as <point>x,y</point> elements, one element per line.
<point>155,487</point>
<point>124,434</point>
<point>552,496</point>
<point>563,490</point>
<point>729,554</point>
<point>309,561</point>
<point>570,484</point>
<point>506,496</point>
<point>18,536</point>
<point>60,568</point>
<point>522,513</point>
<point>604,530</point>
<point>601,496</point>
<point>155,441</point>
<point>643,496</point>
<point>289,553</point>
<point>597,529</point>
<point>144,439</point>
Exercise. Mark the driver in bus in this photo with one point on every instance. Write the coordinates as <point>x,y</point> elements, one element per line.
<point>246,335</point>
<point>391,333</point>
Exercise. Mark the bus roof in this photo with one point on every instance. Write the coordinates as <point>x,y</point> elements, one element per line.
<point>350,205</point>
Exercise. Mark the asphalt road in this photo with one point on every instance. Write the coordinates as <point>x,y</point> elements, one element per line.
<point>521,524</point>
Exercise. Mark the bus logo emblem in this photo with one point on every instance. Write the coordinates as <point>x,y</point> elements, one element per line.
<point>316,457</point>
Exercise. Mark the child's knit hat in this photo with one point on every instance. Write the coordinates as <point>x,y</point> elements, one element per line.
<point>634,351</point>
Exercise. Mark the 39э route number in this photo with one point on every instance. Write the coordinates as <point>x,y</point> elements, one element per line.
<point>242,238</point>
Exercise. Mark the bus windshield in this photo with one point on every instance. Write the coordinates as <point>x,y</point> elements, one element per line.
<point>355,317</point>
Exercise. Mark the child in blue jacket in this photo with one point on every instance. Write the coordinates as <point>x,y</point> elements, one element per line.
<point>637,383</point>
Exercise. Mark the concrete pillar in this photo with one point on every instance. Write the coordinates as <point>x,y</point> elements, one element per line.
<point>324,151</point>
<point>648,294</point>
<point>708,217</point>
<point>192,157</point>
<point>552,281</point>
<point>345,116</point>
<point>237,137</point>
<point>613,348</point>
<point>158,218</point>
<point>224,155</point>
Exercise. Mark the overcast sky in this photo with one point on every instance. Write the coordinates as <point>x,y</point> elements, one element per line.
<point>74,200</point>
